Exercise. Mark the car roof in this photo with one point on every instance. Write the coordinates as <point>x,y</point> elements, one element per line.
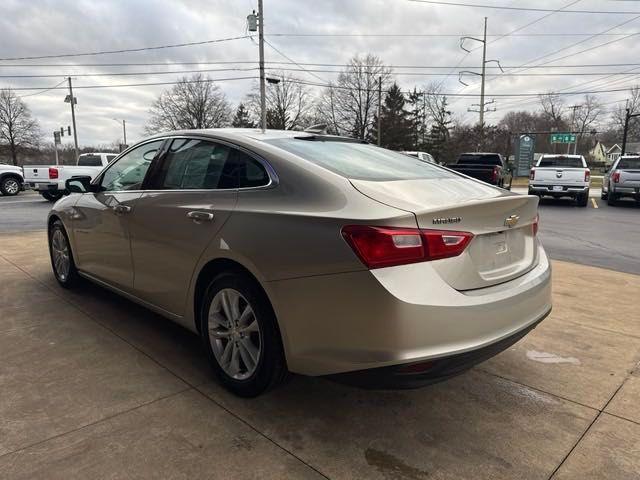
<point>560,155</point>
<point>479,153</point>
<point>250,133</point>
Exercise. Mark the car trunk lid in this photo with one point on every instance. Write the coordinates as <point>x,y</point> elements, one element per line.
<point>504,245</point>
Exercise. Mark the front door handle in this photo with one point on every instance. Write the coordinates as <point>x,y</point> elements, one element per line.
<point>121,209</point>
<point>199,217</point>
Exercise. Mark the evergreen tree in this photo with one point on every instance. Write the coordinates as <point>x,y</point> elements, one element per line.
<point>416,101</point>
<point>242,119</point>
<point>396,124</point>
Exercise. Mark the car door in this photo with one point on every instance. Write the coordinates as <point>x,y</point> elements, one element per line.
<point>101,219</point>
<point>195,191</point>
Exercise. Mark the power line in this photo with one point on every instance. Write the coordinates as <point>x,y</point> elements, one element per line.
<point>293,61</point>
<point>43,91</point>
<point>127,50</point>
<point>525,9</point>
<point>447,35</point>
<point>209,80</point>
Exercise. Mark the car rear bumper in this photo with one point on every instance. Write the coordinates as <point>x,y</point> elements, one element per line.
<point>626,191</point>
<point>567,190</point>
<point>43,186</point>
<point>400,315</point>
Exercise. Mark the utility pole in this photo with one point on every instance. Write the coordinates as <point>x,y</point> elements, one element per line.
<point>263,92</point>
<point>482,106</point>
<point>379,110</point>
<point>124,131</point>
<point>72,101</point>
<point>573,121</point>
<point>484,73</point>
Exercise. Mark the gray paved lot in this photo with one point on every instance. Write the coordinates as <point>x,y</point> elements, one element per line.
<point>94,386</point>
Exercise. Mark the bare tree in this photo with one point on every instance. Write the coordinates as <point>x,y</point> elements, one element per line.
<point>18,129</point>
<point>587,116</point>
<point>553,109</point>
<point>288,103</point>
<point>194,102</point>
<point>618,115</point>
<point>351,103</point>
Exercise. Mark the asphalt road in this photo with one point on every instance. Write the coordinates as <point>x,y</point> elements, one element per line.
<point>607,237</point>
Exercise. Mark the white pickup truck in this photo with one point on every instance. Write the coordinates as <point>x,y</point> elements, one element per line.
<point>561,176</point>
<point>11,179</point>
<point>622,180</point>
<point>49,180</point>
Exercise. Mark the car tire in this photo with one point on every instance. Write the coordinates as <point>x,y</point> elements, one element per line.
<point>583,199</point>
<point>62,263</point>
<point>611,199</point>
<point>52,196</point>
<point>10,186</point>
<point>603,195</point>
<point>244,349</point>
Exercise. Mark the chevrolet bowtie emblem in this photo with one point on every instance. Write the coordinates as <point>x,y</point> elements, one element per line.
<point>511,221</point>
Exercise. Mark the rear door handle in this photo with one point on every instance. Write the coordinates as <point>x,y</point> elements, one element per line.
<point>199,217</point>
<point>121,209</point>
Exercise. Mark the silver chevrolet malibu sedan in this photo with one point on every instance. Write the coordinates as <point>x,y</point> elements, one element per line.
<point>308,253</point>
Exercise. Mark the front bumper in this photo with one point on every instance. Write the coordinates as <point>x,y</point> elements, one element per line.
<point>399,315</point>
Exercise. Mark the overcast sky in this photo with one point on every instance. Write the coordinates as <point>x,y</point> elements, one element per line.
<point>38,27</point>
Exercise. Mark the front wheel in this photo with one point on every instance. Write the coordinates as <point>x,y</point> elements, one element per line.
<point>241,336</point>
<point>51,196</point>
<point>10,186</point>
<point>64,268</point>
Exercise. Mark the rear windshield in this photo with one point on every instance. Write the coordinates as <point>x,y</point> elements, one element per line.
<point>89,161</point>
<point>569,162</point>
<point>473,159</point>
<point>629,164</point>
<point>361,161</point>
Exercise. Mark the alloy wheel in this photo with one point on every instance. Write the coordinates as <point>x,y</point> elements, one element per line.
<point>234,334</point>
<point>60,255</point>
<point>11,187</point>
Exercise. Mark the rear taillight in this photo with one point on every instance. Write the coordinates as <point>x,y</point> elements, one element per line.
<point>587,176</point>
<point>380,247</point>
<point>532,174</point>
<point>615,177</point>
<point>494,175</point>
<point>53,172</point>
<point>535,225</point>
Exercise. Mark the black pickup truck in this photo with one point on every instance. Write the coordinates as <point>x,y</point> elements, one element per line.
<point>488,167</point>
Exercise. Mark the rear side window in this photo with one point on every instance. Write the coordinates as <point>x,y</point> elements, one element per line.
<point>360,161</point>
<point>197,164</point>
<point>111,158</point>
<point>89,161</point>
<point>249,171</point>
<point>471,159</point>
<point>568,162</point>
<point>629,164</point>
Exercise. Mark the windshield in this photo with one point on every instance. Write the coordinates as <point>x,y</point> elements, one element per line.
<point>473,159</point>
<point>569,162</point>
<point>629,164</point>
<point>361,161</point>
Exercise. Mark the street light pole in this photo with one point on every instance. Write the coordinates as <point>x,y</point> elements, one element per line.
<point>263,93</point>
<point>124,131</point>
<point>379,110</point>
<point>73,118</point>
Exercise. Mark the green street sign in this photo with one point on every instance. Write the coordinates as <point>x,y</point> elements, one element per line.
<point>563,138</point>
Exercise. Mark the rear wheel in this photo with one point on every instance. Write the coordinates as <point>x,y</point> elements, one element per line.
<point>10,186</point>
<point>583,199</point>
<point>51,196</point>
<point>64,268</point>
<point>611,199</point>
<point>240,335</point>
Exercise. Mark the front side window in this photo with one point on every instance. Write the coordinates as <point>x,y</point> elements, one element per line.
<point>111,158</point>
<point>129,171</point>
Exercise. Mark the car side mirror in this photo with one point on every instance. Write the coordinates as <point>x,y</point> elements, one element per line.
<point>79,185</point>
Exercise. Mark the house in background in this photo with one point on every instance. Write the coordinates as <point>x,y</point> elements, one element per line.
<point>613,154</point>
<point>598,154</point>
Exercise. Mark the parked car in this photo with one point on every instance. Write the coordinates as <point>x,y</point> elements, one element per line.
<point>560,176</point>
<point>424,156</point>
<point>49,180</point>
<point>488,167</point>
<point>320,255</point>
<point>11,180</point>
<point>622,180</point>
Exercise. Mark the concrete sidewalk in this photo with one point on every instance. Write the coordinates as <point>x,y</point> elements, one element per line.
<point>93,386</point>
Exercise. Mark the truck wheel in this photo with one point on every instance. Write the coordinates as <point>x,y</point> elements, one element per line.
<point>10,186</point>
<point>64,268</point>
<point>51,196</point>
<point>583,199</point>
<point>603,195</point>
<point>611,199</point>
